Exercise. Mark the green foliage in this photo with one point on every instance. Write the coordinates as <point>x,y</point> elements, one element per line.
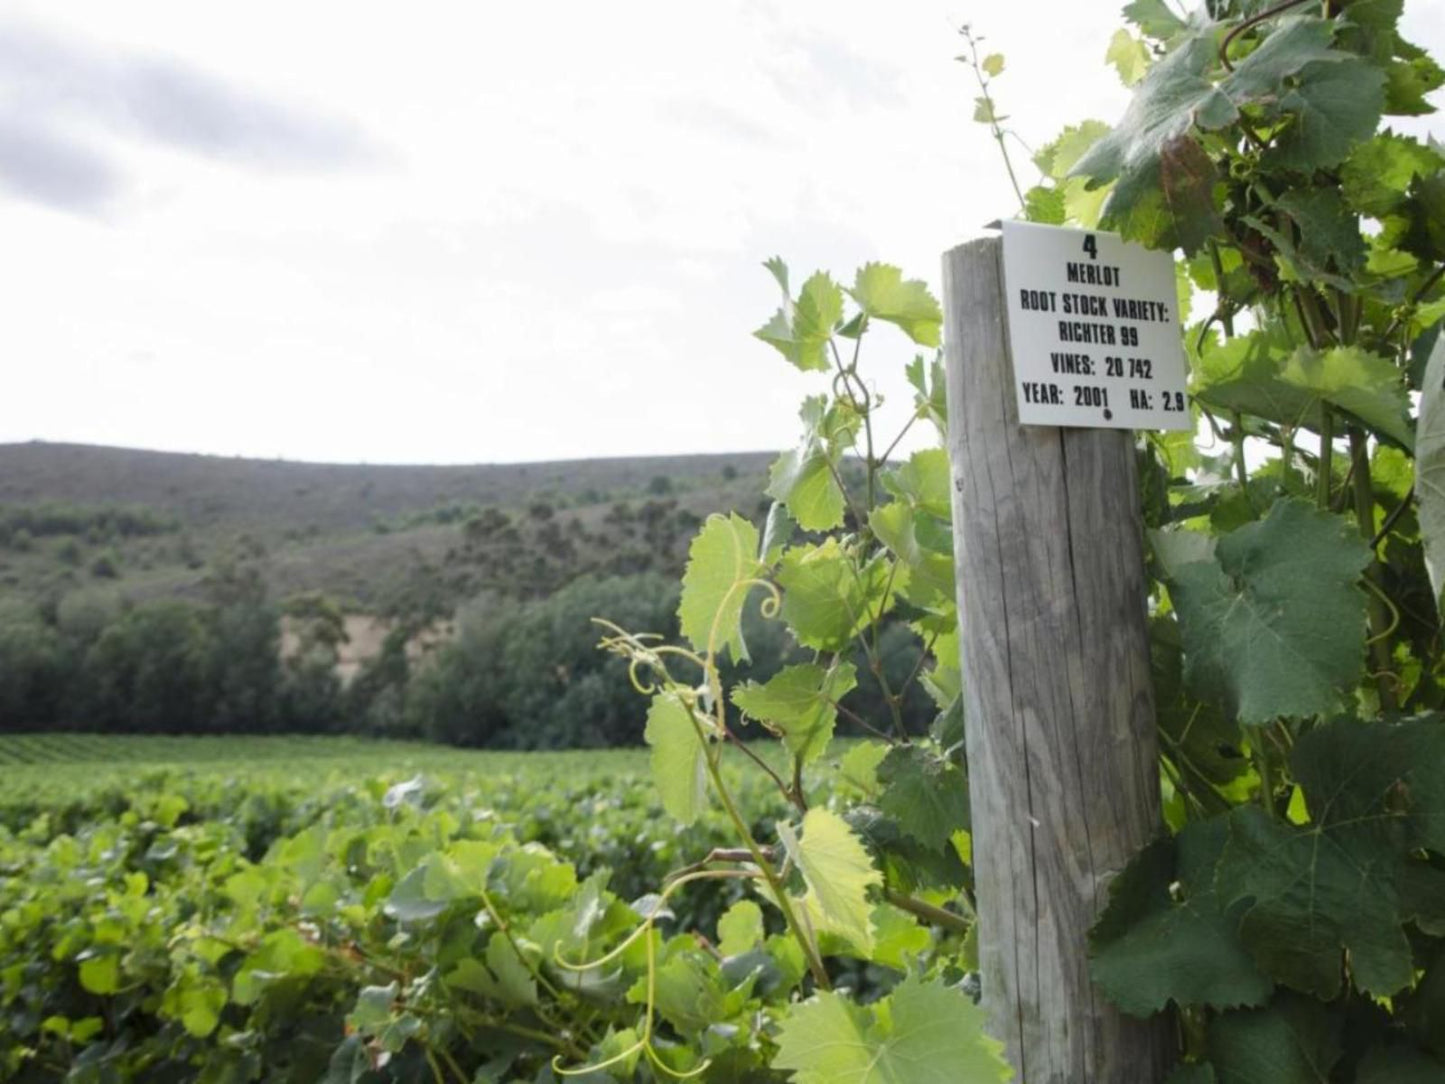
<point>289,912</point>
<point>1288,920</point>
<point>924,1033</point>
<point>861,599</point>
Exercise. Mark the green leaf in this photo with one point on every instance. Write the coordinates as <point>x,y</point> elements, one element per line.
<point>1274,625</point>
<point>1408,84</point>
<point>800,704</point>
<point>778,531</point>
<point>1258,374</point>
<point>984,111</point>
<point>1201,740</point>
<point>838,872</point>
<point>925,482</point>
<point>1164,936</point>
<point>722,558</point>
<point>930,399</point>
<point>993,65</point>
<point>373,1009</point>
<point>1155,18</point>
<point>100,974</point>
<point>883,294</point>
<point>514,985</point>
<point>1319,890</point>
<point>1130,57</point>
<point>1376,177</point>
<point>1399,1065</point>
<point>1329,233</point>
<point>740,929</point>
<point>689,991</point>
<point>1425,235</point>
<point>926,794</point>
<point>800,330</point>
<point>679,760</point>
<point>1292,1041</point>
<point>805,478</point>
<point>1430,467</point>
<point>826,601</point>
<point>1045,206</point>
<point>1172,98</point>
<point>922,1033</point>
<point>198,1002</point>
<point>930,584</point>
<point>1334,105</point>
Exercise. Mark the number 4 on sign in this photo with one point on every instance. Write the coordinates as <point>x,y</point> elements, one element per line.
<point>1091,246</point>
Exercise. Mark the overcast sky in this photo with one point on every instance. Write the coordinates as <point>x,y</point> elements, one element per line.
<point>483,232</point>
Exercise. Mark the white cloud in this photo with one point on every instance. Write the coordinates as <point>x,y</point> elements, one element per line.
<point>559,256</point>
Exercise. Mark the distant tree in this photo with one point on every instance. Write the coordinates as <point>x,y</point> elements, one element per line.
<point>105,565</point>
<point>147,672</point>
<point>31,669</point>
<point>660,485</point>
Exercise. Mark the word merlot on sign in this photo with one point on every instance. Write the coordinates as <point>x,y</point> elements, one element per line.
<point>1094,329</point>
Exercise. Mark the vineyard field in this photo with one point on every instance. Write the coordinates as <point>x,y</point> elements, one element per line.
<point>195,909</point>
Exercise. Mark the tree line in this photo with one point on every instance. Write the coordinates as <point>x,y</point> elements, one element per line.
<point>519,673</point>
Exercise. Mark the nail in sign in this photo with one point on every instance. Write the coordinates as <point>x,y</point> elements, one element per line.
<point>1093,325</point>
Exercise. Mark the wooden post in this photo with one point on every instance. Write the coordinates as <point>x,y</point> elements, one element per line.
<point>1058,704</point>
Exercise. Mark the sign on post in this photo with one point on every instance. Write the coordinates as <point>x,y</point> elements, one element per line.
<point>1094,330</point>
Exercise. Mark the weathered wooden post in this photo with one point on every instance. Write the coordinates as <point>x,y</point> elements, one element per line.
<point>1058,704</point>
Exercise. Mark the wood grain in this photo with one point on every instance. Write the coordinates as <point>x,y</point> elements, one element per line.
<point>1059,711</point>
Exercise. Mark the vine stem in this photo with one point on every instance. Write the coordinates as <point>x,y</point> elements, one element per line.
<point>711,761</point>
<point>995,129</point>
<point>928,912</point>
<point>1326,462</point>
<point>1379,617</point>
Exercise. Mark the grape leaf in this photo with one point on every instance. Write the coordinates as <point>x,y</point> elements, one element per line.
<point>926,794</point>
<point>1274,624</point>
<point>1291,1041</point>
<point>826,602</point>
<point>1318,890</point>
<point>1129,55</point>
<point>678,758</point>
<point>1154,18</point>
<point>1200,738</point>
<point>1376,177</point>
<point>740,929</point>
<point>883,294</point>
<point>1193,1073</point>
<point>930,584</point>
<point>1334,105</point>
<point>925,481</point>
<point>922,1033</point>
<point>800,329</point>
<point>721,558</point>
<point>1256,375</point>
<point>799,703</point>
<point>802,479</point>
<point>838,872</point>
<point>993,65</point>
<point>1152,946</point>
<point>1399,1065</point>
<point>805,478</point>
<point>1169,101</point>
<point>1045,206</point>
<point>1430,467</point>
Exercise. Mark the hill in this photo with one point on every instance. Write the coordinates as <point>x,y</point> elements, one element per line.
<point>381,538</point>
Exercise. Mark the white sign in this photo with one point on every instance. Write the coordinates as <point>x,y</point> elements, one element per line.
<point>1093,325</point>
